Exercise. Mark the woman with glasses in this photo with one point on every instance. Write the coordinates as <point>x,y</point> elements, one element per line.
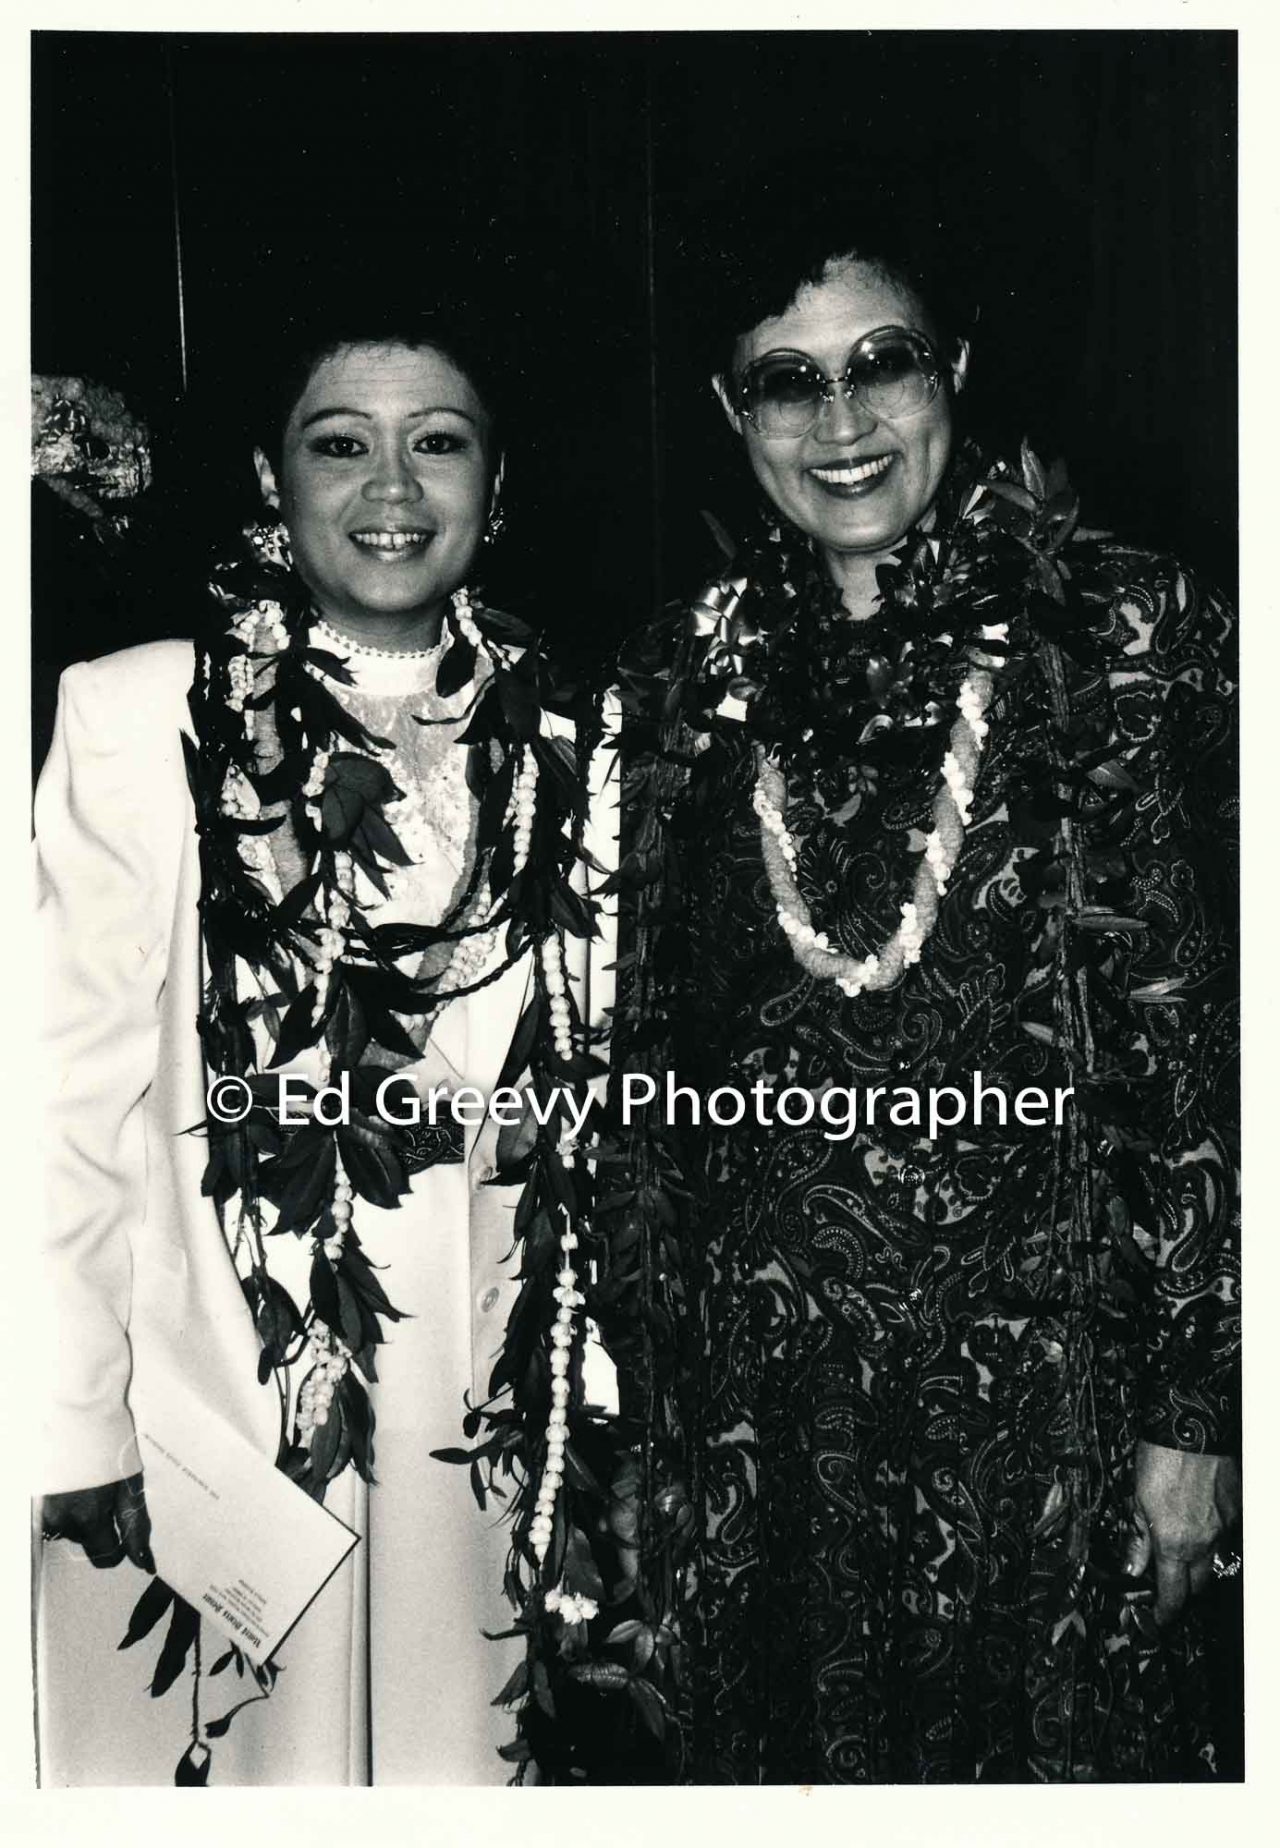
<point>931,916</point>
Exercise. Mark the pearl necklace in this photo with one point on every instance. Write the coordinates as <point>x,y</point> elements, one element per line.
<point>952,808</point>
<point>337,639</point>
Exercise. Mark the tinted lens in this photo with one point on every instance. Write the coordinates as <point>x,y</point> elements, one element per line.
<point>783,396</point>
<point>893,373</point>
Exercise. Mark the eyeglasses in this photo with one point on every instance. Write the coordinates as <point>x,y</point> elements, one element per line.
<point>892,372</point>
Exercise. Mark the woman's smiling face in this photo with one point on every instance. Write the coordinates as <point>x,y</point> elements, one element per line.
<point>857,481</point>
<point>384,484</point>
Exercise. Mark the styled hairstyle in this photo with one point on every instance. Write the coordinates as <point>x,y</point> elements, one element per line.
<point>306,338</point>
<point>750,248</point>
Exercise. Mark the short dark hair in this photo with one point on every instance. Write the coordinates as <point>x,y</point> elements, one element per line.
<point>747,250</point>
<point>305,338</point>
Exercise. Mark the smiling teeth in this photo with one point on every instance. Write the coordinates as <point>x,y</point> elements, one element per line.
<point>395,542</point>
<point>845,474</point>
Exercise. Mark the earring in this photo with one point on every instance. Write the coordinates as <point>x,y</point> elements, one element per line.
<point>269,540</point>
<point>494,524</point>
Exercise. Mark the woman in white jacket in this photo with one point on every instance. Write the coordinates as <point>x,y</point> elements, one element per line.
<point>326,876</point>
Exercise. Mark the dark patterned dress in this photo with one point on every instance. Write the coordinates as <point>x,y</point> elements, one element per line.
<point>923,1364</point>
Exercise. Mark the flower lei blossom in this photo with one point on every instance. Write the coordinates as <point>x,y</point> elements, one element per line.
<point>951,815</point>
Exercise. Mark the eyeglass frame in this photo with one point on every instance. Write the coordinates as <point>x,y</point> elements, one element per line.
<point>828,383</point>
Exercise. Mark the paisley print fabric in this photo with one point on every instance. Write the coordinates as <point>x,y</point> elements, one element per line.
<point>924,1364</point>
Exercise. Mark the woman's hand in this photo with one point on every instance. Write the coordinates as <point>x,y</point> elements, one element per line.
<point>1182,1503</point>
<point>108,1522</point>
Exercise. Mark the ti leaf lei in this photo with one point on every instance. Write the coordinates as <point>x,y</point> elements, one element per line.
<point>304,968</point>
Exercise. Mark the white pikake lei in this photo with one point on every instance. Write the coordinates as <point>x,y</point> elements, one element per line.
<point>951,814</point>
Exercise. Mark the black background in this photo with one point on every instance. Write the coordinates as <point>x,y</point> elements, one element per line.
<point>1104,163</point>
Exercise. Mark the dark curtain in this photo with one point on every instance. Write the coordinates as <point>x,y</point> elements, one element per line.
<point>561,166</point>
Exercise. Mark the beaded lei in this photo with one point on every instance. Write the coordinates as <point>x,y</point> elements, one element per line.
<point>952,810</point>
<point>432,817</point>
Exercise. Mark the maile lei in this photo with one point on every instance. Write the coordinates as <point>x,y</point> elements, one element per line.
<point>305,971</point>
<point>1002,590</point>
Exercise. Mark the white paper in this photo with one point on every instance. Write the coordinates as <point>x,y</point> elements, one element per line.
<point>246,1548</point>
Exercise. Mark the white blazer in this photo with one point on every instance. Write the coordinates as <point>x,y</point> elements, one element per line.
<point>139,1275</point>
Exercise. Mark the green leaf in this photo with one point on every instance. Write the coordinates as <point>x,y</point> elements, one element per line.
<point>377,835</point>
<point>306,1188</point>
<point>365,1281</point>
<point>331,664</point>
<point>555,756</point>
<point>542,1689</point>
<point>359,1423</point>
<point>298,1029</point>
<point>579,1475</point>
<point>515,1686</point>
<point>569,911</point>
<point>352,772</point>
<point>580,1571</point>
<point>349,1030</point>
<point>493,804</point>
<point>1032,472</point>
<point>482,726</point>
<point>147,1612</point>
<point>340,812</point>
<point>292,907</point>
<point>519,705</point>
<point>719,533</point>
<point>193,1767</point>
<point>456,669</point>
<point>373,1167</point>
<point>1111,776</point>
<point>522,1044</point>
<point>324,1292</point>
<point>351,1326</point>
<point>1162,990</point>
<point>624,1632</point>
<point>367,863</point>
<point>183,1626</point>
<point>600,1674</point>
<point>1050,580</point>
<point>1010,491</point>
<point>216,1728</point>
<point>382,1026</point>
<point>651,1705</point>
<point>500,627</point>
<point>326,1442</point>
<point>1039,1031</point>
<point>502,863</point>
